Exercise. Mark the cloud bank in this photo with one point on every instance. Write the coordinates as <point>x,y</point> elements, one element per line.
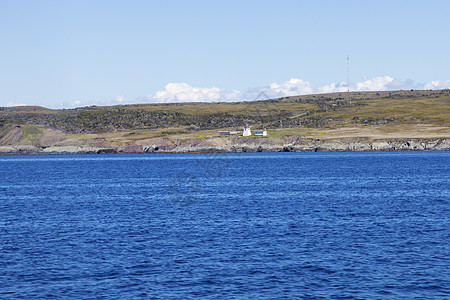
<point>437,85</point>
<point>182,92</point>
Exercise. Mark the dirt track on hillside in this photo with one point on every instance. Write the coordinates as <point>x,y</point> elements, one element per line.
<point>12,137</point>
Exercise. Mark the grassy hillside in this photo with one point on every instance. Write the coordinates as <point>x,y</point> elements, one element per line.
<point>322,111</point>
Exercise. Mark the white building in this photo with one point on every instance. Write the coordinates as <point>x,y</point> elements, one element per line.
<point>260,133</point>
<point>247,131</point>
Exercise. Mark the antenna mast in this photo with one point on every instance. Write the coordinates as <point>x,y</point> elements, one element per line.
<point>348,73</point>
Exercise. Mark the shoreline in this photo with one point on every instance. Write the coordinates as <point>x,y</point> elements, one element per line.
<point>287,144</point>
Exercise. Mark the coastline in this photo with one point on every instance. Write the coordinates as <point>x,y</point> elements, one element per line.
<point>351,121</point>
<point>285,144</point>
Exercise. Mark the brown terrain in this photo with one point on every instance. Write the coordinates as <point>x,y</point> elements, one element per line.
<point>359,121</point>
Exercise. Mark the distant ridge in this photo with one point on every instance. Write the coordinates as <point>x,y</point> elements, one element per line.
<point>354,95</point>
<point>347,121</point>
<point>315,111</point>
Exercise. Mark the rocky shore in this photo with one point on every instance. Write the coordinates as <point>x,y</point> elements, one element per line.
<point>209,145</point>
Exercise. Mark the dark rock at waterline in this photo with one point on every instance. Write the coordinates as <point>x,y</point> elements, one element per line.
<point>107,151</point>
<point>164,148</point>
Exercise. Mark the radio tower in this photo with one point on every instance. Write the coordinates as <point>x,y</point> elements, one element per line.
<point>348,73</point>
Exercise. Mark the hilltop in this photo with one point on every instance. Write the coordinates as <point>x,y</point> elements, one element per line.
<point>349,116</point>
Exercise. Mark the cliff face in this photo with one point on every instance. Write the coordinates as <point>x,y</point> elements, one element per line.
<point>295,144</point>
<point>203,145</point>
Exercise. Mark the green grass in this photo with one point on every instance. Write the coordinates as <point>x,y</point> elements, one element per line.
<point>31,132</point>
<point>420,110</point>
<point>278,115</point>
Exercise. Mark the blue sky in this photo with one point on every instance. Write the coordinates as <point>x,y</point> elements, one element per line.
<point>74,53</point>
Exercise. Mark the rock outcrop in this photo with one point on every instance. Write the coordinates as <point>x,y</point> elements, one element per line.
<point>284,144</point>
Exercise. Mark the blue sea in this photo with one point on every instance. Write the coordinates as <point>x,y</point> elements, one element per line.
<point>360,225</point>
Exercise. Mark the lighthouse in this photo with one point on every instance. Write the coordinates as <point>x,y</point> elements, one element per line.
<point>247,131</point>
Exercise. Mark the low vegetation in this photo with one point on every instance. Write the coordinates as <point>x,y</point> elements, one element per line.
<point>280,116</point>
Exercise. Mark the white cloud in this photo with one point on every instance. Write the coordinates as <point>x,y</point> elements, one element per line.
<point>75,103</point>
<point>379,83</point>
<point>183,92</point>
<point>387,83</point>
<point>121,99</point>
<point>292,87</point>
<point>12,103</point>
<point>437,85</point>
<point>333,88</point>
<point>118,100</point>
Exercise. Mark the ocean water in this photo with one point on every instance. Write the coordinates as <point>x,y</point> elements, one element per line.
<point>371,225</point>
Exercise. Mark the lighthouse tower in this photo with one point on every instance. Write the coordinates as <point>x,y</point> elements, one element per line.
<point>247,131</point>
